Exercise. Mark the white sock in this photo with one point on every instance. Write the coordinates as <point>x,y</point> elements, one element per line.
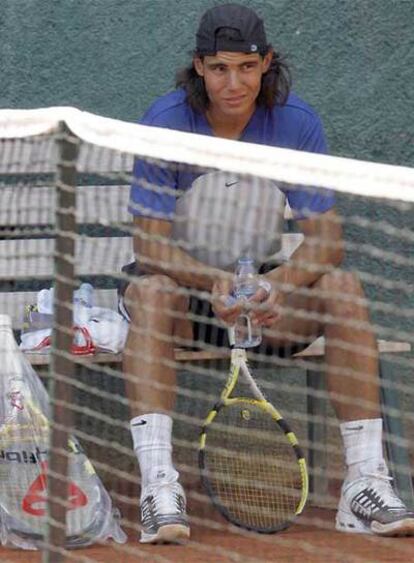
<point>363,447</point>
<point>151,435</point>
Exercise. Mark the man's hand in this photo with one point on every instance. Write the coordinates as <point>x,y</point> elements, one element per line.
<point>264,306</point>
<point>224,306</point>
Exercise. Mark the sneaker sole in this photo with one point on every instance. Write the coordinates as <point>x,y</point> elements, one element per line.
<point>348,523</point>
<point>403,527</point>
<point>171,533</point>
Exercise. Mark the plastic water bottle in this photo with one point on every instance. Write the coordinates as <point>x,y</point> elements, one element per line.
<point>82,304</point>
<point>245,285</point>
<point>84,295</point>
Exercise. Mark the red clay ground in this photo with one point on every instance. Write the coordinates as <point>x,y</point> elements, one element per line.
<point>313,539</point>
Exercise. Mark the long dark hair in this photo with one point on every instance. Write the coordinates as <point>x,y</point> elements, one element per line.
<point>276,83</point>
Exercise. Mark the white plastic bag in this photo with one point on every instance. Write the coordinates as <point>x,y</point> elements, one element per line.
<point>24,438</point>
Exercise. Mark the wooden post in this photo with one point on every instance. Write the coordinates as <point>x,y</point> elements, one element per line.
<point>62,366</point>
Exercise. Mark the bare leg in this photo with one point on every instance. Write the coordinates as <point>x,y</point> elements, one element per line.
<point>153,303</point>
<point>351,350</point>
<point>336,308</point>
<point>158,313</point>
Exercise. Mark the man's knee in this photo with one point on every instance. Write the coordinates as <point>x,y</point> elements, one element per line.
<point>339,282</point>
<point>154,292</point>
<point>342,293</point>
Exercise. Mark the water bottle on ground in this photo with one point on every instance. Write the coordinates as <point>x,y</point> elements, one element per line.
<point>245,285</point>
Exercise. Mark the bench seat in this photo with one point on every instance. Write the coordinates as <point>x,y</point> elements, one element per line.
<point>315,350</point>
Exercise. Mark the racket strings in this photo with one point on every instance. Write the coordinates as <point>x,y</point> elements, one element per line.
<point>252,469</point>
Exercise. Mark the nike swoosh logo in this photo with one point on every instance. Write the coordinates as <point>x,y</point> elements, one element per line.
<point>140,423</point>
<point>228,184</point>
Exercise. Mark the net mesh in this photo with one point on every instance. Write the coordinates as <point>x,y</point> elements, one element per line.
<point>212,227</point>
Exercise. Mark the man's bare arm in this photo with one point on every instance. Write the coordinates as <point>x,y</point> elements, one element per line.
<point>321,251</point>
<point>157,254</point>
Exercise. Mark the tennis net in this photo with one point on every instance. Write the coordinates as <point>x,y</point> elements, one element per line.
<point>65,178</point>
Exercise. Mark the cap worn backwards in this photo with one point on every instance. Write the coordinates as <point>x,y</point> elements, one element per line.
<point>231,27</point>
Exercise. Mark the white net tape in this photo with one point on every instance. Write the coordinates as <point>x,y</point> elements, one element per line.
<point>342,174</point>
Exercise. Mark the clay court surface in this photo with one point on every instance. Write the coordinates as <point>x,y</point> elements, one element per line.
<point>313,542</point>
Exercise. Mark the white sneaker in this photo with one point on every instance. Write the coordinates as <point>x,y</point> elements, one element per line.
<point>369,505</point>
<point>163,513</point>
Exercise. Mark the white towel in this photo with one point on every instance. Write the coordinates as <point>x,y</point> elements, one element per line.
<point>107,329</point>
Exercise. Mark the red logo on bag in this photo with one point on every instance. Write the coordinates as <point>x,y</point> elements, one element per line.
<point>34,496</point>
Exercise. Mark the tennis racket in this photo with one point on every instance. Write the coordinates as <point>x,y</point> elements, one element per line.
<point>251,464</point>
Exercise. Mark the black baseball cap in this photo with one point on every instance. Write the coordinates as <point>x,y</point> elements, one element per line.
<point>231,27</point>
